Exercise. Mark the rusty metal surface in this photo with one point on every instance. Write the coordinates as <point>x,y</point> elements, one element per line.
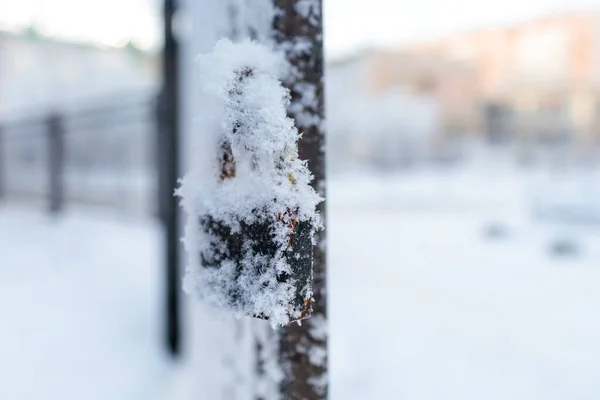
<point>258,238</point>
<point>303,379</point>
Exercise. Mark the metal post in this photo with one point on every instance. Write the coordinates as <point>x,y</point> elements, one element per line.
<point>55,163</point>
<point>169,143</point>
<point>303,349</point>
<point>2,164</point>
<point>159,155</point>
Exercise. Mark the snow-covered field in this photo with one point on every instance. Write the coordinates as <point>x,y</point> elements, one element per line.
<point>442,286</point>
<point>79,307</point>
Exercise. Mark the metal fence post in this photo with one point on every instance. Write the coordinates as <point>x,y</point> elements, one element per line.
<point>300,22</point>
<point>2,164</point>
<point>169,147</point>
<point>56,151</point>
<point>159,164</point>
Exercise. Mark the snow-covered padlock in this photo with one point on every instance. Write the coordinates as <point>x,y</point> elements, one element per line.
<point>252,209</point>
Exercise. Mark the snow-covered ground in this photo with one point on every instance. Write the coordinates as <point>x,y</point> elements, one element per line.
<point>78,306</point>
<point>442,286</point>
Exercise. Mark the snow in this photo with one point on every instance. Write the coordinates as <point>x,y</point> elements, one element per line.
<point>258,180</point>
<point>567,195</point>
<point>79,306</point>
<point>251,18</point>
<point>308,9</point>
<point>446,314</point>
<point>423,305</point>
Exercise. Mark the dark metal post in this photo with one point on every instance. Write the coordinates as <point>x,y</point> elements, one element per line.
<point>2,165</point>
<point>303,349</point>
<point>169,143</point>
<point>55,163</point>
<point>159,154</point>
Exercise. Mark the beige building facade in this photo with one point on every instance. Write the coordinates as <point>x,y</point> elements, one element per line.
<point>539,79</point>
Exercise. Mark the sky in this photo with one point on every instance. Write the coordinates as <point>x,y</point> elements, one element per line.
<point>355,24</point>
<point>105,22</point>
<point>350,25</point>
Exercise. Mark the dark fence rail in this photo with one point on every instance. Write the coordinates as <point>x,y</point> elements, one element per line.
<point>104,156</point>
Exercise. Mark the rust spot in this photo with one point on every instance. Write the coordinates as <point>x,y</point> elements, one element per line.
<point>291,217</point>
<point>227,162</point>
<point>291,178</point>
<point>307,308</point>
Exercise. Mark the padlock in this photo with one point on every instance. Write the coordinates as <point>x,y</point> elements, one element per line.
<point>256,255</point>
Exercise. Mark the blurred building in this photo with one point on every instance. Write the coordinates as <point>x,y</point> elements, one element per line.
<point>538,80</point>
<point>535,82</point>
<point>369,125</point>
<point>448,82</point>
<point>39,73</point>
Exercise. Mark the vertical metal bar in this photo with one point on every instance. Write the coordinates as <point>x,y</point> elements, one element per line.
<point>303,349</point>
<point>56,177</point>
<point>159,163</point>
<point>170,159</point>
<point>2,164</point>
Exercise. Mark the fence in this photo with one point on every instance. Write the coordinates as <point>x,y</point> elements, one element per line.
<point>104,155</point>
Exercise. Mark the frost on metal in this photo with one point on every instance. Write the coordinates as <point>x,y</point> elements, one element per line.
<point>298,34</point>
<point>251,210</point>
<point>251,19</point>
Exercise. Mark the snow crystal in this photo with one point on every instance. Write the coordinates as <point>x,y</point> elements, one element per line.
<point>308,97</point>
<point>317,355</point>
<point>246,187</point>
<point>319,382</point>
<point>251,18</point>
<point>318,327</point>
<point>309,9</point>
